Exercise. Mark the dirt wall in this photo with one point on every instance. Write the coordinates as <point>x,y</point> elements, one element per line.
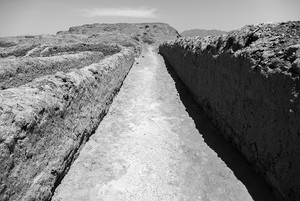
<point>248,84</point>
<point>44,124</point>
<point>16,72</point>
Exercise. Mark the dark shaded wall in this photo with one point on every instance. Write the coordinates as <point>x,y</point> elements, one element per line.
<point>253,101</point>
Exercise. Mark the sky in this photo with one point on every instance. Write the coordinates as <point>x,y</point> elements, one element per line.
<point>33,17</point>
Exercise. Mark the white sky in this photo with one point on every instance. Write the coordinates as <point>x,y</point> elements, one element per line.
<point>20,17</point>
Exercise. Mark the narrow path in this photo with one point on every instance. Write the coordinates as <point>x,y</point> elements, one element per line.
<point>148,148</point>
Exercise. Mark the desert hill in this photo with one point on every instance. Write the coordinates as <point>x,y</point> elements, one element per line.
<point>145,32</point>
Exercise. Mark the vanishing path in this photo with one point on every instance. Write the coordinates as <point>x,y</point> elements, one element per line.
<point>148,148</point>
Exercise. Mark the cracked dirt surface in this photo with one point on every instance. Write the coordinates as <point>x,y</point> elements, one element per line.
<point>147,148</point>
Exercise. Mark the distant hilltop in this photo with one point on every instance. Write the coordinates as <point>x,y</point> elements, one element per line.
<point>143,32</point>
<point>202,32</point>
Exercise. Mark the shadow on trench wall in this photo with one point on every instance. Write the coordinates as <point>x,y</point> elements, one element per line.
<point>242,169</point>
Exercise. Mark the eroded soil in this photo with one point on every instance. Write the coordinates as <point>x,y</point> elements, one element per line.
<point>150,147</point>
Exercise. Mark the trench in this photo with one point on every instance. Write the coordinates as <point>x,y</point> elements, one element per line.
<point>156,143</point>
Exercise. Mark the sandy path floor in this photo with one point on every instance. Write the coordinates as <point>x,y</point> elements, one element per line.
<point>148,148</point>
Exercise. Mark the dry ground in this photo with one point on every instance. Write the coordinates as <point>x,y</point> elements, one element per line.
<point>151,146</point>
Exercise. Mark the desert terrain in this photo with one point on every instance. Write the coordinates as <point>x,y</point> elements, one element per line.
<point>136,112</point>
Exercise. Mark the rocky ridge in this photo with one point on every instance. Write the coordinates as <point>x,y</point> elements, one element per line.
<point>201,32</point>
<point>248,82</point>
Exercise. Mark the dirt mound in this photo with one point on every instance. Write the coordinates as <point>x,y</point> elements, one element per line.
<point>248,82</point>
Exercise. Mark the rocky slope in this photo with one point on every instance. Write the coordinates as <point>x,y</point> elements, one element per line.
<point>248,82</point>
<point>54,91</point>
<point>202,32</point>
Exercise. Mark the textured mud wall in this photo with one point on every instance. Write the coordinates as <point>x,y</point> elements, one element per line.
<point>17,72</point>
<point>48,54</point>
<point>248,83</point>
<point>44,123</point>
